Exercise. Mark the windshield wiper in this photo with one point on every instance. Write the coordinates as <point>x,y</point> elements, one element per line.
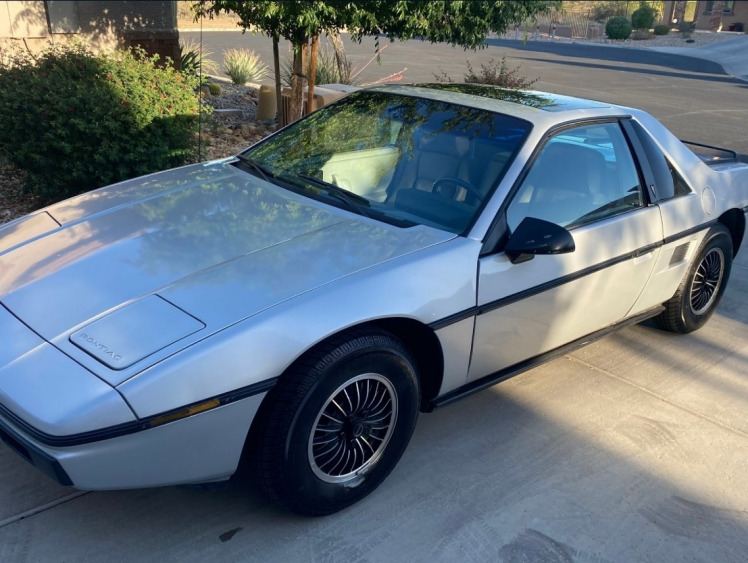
<point>263,171</point>
<point>354,202</point>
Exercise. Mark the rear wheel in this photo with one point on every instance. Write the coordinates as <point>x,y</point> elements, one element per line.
<point>702,288</point>
<point>336,423</point>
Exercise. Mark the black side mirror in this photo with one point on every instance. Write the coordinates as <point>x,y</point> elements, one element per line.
<point>535,236</point>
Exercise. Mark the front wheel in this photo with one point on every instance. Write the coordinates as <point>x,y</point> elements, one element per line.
<point>701,290</point>
<point>336,423</point>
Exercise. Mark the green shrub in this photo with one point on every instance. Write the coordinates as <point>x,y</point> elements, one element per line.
<point>214,89</point>
<point>494,73</point>
<point>498,74</point>
<point>644,17</point>
<point>618,28</point>
<point>243,65</point>
<point>661,29</point>
<point>74,121</point>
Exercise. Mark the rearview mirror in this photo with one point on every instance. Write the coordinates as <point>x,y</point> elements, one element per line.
<point>536,236</point>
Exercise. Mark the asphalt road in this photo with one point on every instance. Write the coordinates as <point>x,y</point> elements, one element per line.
<point>692,97</point>
<point>634,448</point>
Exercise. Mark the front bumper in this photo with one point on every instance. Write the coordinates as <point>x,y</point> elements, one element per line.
<point>36,457</point>
<point>200,448</point>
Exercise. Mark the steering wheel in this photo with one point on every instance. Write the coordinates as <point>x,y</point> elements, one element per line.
<point>470,188</point>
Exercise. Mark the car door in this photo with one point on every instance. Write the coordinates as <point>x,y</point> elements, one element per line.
<point>585,179</point>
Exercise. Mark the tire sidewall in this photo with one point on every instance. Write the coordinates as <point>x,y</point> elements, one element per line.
<point>717,237</point>
<point>325,497</point>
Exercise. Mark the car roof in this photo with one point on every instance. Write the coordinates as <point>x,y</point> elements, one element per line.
<point>534,106</point>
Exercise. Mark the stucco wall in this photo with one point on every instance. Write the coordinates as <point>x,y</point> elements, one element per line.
<point>102,25</point>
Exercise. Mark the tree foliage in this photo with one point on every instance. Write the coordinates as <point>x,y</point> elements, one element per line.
<point>464,23</point>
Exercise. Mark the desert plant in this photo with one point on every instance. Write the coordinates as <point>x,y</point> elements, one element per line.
<point>243,65</point>
<point>74,121</point>
<point>493,73</point>
<point>686,28</point>
<point>326,71</point>
<point>644,17</point>
<point>195,60</point>
<point>661,29</point>
<point>214,89</point>
<point>602,11</point>
<point>618,28</point>
<point>498,74</point>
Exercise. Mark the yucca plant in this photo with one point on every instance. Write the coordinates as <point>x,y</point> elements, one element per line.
<point>196,61</point>
<point>243,65</point>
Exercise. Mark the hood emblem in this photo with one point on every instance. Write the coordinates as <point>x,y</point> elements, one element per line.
<point>102,348</point>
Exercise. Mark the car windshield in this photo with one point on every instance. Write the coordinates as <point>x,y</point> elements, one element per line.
<point>396,158</point>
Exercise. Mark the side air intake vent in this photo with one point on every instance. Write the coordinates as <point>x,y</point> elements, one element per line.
<point>679,254</point>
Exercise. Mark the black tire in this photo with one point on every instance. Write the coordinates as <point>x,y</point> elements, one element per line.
<point>701,289</point>
<point>336,423</point>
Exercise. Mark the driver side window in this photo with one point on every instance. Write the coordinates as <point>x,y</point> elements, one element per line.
<point>581,175</point>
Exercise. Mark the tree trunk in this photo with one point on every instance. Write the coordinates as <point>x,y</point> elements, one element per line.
<point>312,78</point>
<point>337,45</point>
<point>680,11</point>
<point>278,92</point>
<point>715,20</point>
<point>297,80</point>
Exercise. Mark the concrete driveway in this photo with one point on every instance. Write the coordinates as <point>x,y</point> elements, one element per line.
<point>634,448</point>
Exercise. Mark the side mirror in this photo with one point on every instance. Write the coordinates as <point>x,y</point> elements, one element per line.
<point>535,236</point>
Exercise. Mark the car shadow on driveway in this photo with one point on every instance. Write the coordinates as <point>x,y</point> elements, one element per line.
<point>564,461</point>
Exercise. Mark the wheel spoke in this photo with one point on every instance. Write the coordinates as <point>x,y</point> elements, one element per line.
<point>323,440</point>
<point>336,420</point>
<point>350,403</point>
<point>368,445</point>
<point>329,429</point>
<point>333,456</point>
<point>339,408</point>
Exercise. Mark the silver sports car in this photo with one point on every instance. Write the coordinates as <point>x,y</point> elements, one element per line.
<point>298,305</point>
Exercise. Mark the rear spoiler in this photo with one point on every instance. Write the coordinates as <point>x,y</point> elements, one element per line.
<point>710,154</point>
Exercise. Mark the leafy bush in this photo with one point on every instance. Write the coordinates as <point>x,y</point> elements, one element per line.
<point>196,61</point>
<point>74,121</point>
<point>644,17</point>
<point>494,73</point>
<point>618,28</point>
<point>498,74</point>
<point>661,29</point>
<point>243,65</point>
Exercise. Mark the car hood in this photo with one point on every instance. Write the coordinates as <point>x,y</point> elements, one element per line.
<point>211,241</point>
